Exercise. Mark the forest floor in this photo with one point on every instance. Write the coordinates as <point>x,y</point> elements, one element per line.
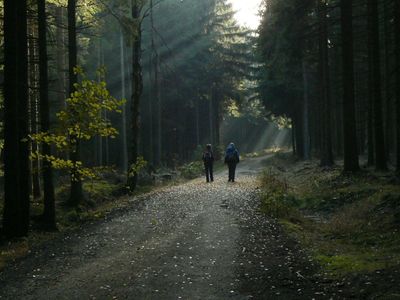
<point>206,241</point>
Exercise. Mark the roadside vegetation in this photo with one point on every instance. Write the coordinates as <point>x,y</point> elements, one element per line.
<point>349,223</point>
<point>103,196</point>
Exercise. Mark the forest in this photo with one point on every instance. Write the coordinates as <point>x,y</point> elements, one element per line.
<point>176,81</point>
<point>106,108</point>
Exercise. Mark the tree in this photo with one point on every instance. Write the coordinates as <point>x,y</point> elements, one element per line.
<point>375,73</point>
<point>16,146</point>
<point>326,154</point>
<point>81,120</point>
<point>285,47</point>
<point>397,91</point>
<point>48,185</point>
<point>137,83</point>
<point>349,119</point>
<point>76,195</point>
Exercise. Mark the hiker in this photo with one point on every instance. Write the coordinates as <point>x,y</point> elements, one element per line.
<point>231,159</point>
<point>208,159</point>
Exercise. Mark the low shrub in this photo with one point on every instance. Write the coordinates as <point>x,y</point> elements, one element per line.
<point>277,202</point>
<point>192,170</point>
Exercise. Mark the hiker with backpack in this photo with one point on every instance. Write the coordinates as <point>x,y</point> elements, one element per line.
<point>231,159</point>
<point>208,159</point>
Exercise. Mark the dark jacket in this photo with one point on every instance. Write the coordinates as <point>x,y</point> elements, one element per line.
<point>208,157</point>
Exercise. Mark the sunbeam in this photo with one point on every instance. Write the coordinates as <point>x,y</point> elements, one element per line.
<point>247,12</point>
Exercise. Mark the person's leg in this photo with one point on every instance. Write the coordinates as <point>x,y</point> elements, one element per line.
<point>211,172</point>
<point>207,172</point>
<point>230,171</point>
<point>233,172</point>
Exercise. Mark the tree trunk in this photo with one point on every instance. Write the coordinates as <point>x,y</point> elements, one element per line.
<point>370,124</point>
<point>157,86</point>
<point>338,107</point>
<point>76,195</point>
<point>155,64</point>
<point>297,124</point>
<point>388,123</point>
<point>123,94</point>
<point>151,153</point>
<point>137,86</point>
<point>61,59</point>
<point>306,128</point>
<point>351,163</point>
<point>373,15</point>
<point>33,105</point>
<point>16,149</point>
<point>397,78</point>
<point>197,104</point>
<point>293,137</point>
<point>49,212</point>
<point>326,146</point>
<point>216,115</point>
<point>210,116</point>
<point>99,146</point>
<point>107,143</point>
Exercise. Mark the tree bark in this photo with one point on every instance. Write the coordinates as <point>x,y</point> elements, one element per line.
<point>49,213</point>
<point>380,153</point>
<point>297,125</point>
<point>197,118</point>
<point>306,125</point>
<point>33,107</point>
<point>76,195</point>
<point>137,85</point>
<point>326,147</point>
<point>397,78</point>
<point>61,58</point>
<point>99,144</point>
<point>155,64</point>
<point>157,90</point>
<point>210,115</point>
<point>351,163</point>
<point>16,148</point>
<point>216,115</point>
<point>293,137</point>
<point>388,123</point>
<point>123,94</point>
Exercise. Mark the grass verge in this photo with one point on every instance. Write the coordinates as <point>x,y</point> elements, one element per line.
<point>349,223</point>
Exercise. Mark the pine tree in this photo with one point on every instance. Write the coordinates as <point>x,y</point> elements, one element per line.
<point>351,163</point>
<point>48,185</point>
<point>16,147</point>
<point>76,195</point>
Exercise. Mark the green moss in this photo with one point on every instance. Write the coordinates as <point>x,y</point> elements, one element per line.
<point>342,264</point>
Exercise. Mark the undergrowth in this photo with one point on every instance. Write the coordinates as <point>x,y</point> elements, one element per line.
<point>196,169</point>
<point>192,170</point>
<point>350,224</point>
<point>277,202</point>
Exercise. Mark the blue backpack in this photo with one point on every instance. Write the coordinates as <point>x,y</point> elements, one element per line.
<point>231,156</point>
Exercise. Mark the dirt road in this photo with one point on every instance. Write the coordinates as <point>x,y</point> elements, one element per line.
<point>193,241</point>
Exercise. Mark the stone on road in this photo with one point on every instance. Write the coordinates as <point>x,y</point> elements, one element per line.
<point>192,241</point>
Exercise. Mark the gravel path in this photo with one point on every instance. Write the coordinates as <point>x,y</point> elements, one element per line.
<point>193,241</point>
